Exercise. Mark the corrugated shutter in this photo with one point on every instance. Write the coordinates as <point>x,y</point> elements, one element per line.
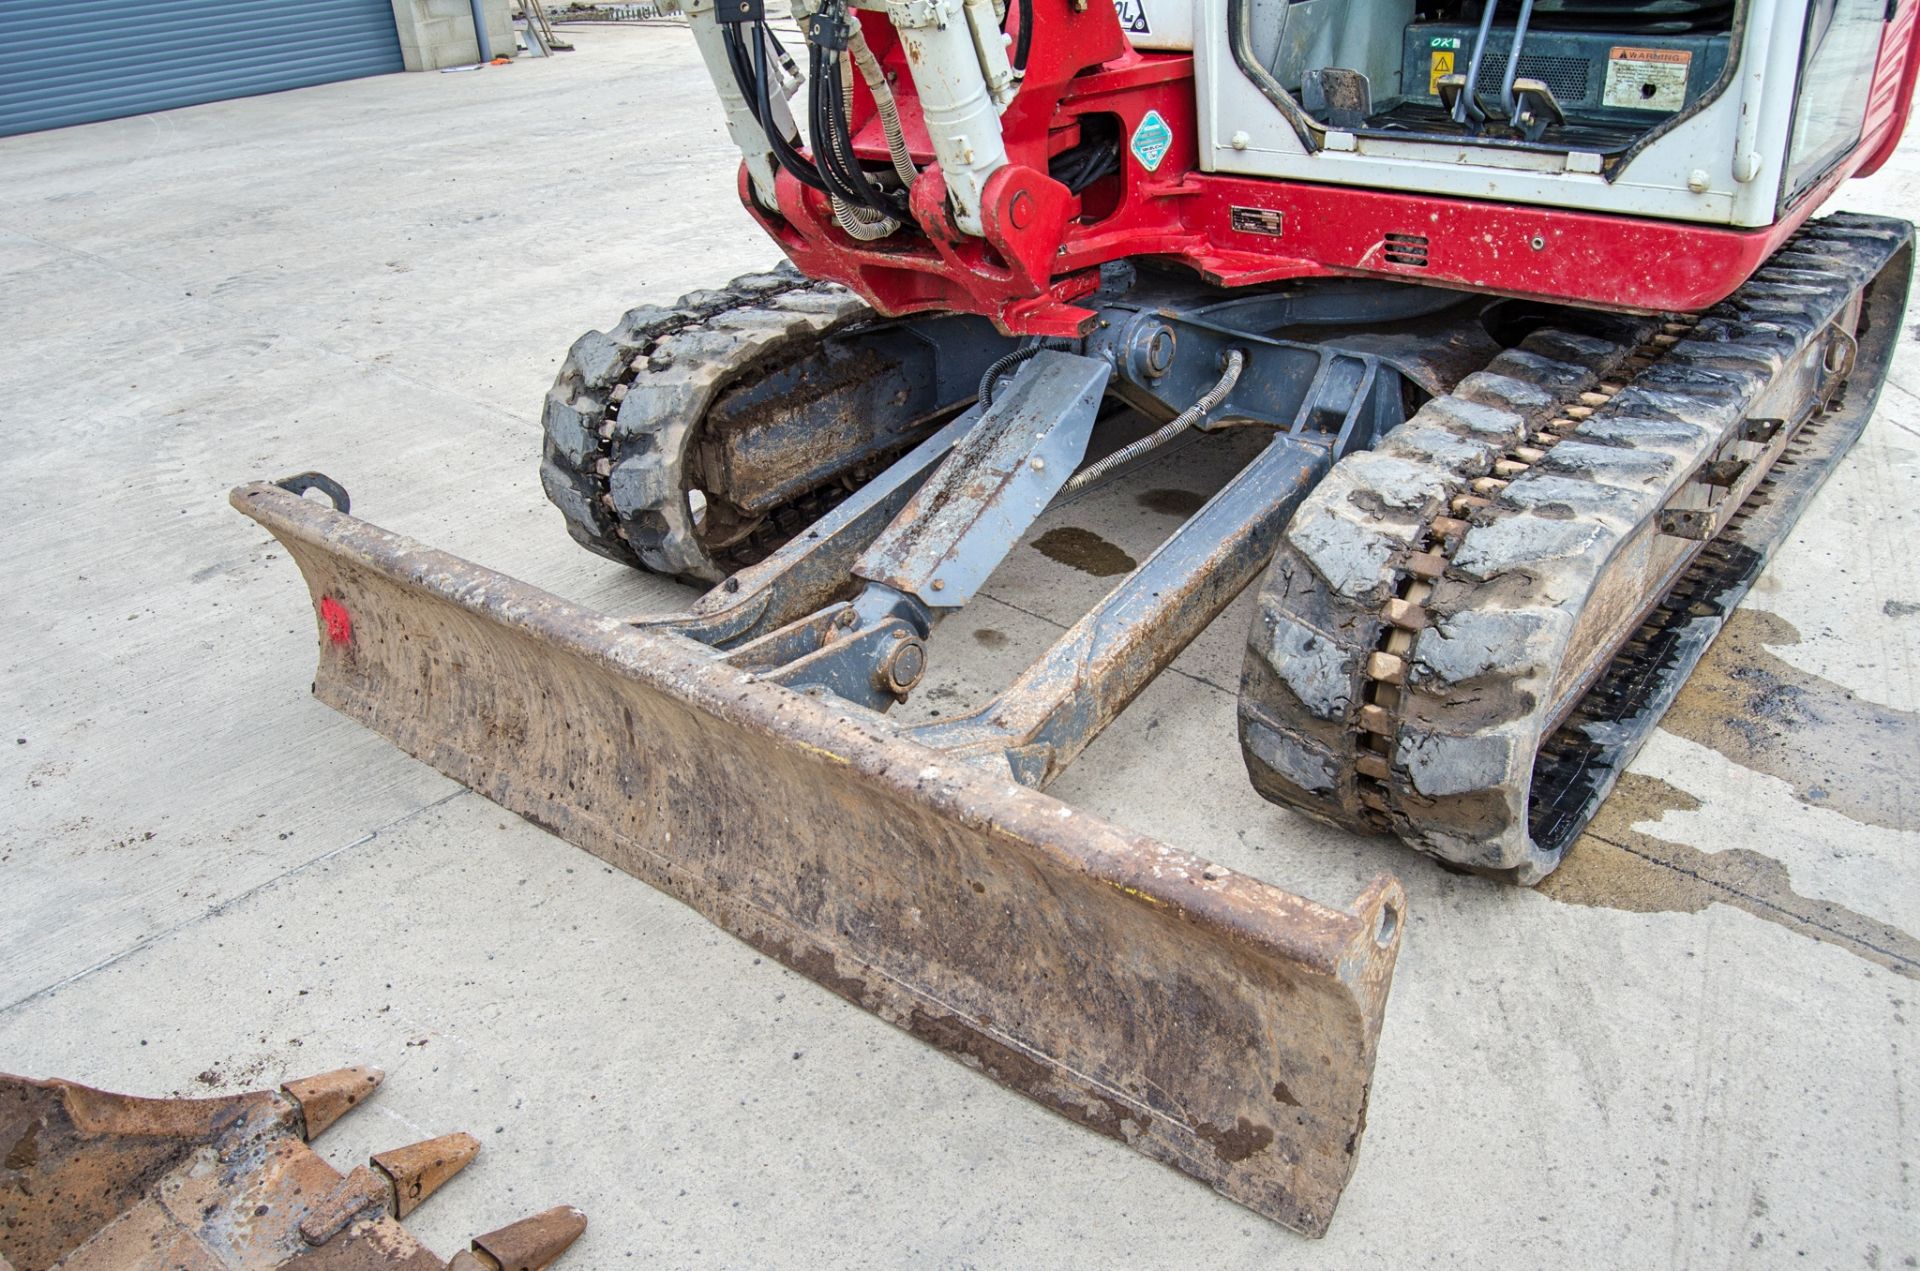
<point>74,61</point>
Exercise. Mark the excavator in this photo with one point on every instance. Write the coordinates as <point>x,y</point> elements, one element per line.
<point>1534,352</point>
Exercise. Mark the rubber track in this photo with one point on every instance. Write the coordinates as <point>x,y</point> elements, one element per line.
<point>1450,766</point>
<point>623,413</point>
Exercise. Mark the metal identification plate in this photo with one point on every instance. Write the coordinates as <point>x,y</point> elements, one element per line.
<point>1646,79</point>
<point>1256,220</point>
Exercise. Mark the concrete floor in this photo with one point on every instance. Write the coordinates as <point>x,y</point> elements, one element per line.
<point>1696,1046</point>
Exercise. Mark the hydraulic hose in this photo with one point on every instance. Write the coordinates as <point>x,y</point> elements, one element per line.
<point>1004,364</point>
<point>884,103</point>
<point>863,224</point>
<point>1208,403</point>
<point>759,95</point>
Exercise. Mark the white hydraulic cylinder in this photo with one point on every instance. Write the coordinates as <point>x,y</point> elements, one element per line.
<point>962,119</point>
<point>991,47</point>
<point>741,125</point>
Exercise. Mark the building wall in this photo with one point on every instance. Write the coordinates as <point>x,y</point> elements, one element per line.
<point>439,33</point>
<point>73,63</point>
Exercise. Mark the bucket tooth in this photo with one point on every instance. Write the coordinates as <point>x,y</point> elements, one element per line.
<point>223,1184</point>
<point>325,1098</point>
<point>530,1244</point>
<point>418,1170</point>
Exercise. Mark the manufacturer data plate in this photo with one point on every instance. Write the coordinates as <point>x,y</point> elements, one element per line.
<point>1256,220</point>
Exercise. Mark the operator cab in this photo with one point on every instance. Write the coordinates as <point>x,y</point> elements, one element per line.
<point>1593,75</point>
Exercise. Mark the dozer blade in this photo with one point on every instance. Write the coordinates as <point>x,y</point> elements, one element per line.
<point>94,1181</point>
<point>1207,1019</point>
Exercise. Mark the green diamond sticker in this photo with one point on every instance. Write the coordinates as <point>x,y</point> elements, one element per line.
<point>1150,141</point>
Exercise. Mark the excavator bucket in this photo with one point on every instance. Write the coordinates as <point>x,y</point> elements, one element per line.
<point>1207,1019</point>
<point>94,1181</point>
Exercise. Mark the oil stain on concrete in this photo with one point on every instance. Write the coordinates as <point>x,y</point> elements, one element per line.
<point>1172,502</point>
<point>1085,551</point>
<point>1836,750</point>
<point>1615,866</point>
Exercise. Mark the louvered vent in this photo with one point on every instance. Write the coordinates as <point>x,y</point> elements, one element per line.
<point>1405,249</point>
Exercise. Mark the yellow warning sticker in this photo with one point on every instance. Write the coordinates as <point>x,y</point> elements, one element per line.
<point>1439,63</point>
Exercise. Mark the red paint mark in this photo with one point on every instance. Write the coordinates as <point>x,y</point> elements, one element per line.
<point>339,621</point>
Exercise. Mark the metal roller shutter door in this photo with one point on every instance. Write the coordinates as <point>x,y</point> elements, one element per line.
<point>74,61</point>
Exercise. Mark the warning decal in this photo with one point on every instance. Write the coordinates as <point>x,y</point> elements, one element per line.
<point>1439,64</point>
<point>1150,141</point>
<point>1647,79</point>
<point>1133,16</point>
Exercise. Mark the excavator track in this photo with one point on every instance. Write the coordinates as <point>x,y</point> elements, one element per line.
<point>798,373</point>
<point>1468,631</point>
<point>627,403</point>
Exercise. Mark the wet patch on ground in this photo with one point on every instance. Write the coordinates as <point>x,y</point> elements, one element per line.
<point>1615,866</point>
<point>990,638</point>
<point>1900,608</point>
<point>1085,551</point>
<point>1170,502</point>
<point>1836,750</point>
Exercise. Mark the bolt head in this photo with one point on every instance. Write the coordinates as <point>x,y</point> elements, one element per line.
<point>1020,210</point>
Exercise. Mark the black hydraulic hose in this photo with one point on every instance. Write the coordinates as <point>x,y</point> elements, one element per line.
<point>1023,43</point>
<point>840,125</point>
<point>783,152</point>
<point>1004,364</point>
<point>742,68</point>
<point>828,154</point>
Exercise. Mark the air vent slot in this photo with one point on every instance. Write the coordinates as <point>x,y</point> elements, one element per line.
<point>1405,249</point>
<point>1568,77</point>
